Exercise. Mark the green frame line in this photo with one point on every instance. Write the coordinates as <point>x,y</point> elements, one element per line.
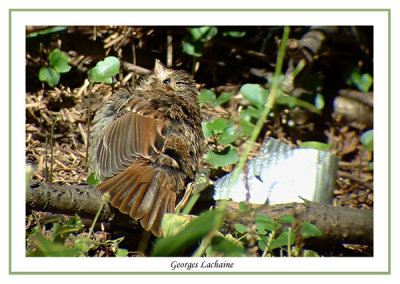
<point>12,10</point>
<point>197,10</point>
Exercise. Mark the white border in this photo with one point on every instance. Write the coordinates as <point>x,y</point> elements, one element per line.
<point>378,263</point>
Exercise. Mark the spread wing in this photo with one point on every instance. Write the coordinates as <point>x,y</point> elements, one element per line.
<point>135,133</point>
<point>128,155</point>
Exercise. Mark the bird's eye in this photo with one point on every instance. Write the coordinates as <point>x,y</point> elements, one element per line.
<point>167,81</point>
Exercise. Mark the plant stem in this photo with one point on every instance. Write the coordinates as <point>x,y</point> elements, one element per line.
<point>267,109</point>
<point>289,249</point>
<point>104,199</point>
<point>271,237</point>
<point>52,149</point>
<point>243,158</point>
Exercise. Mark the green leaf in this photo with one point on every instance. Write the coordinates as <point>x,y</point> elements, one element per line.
<point>49,75</point>
<point>83,244</point>
<point>240,228</point>
<point>234,33</point>
<point>191,234</point>
<point>287,219</point>
<point>203,33</point>
<point>59,61</point>
<point>354,76</point>
<point>293,101</point>
<point>264,223</point>
<point>192,47</point>
<point>206,132</point>
<point>61,232</point>
<point>319,101</point>
<point>108,67</point>
<point>223,98</point>
<point>310,253</point>
<point>367,140</point>
<point>47,31</point>
<point>282,239</point>
<point>217,125</point>
<point>207,97</point>
<point>172,224</point>
<point>92,180</point>
<point>246,127</point>
<point>365,83</point>
<point>104,70</point>
<point>262,244</point>
<point>315,145</point>
<point>49,248</point>
<point>228,136</point>
<point>259,218</point>
<point>362,81</point>
<point>223,158</point>
<point>255,94</point>
<point>309,230</point>
<point>252,112</point>
<point>226,247</point>
<point>121,253</point>
<point>261,229</point>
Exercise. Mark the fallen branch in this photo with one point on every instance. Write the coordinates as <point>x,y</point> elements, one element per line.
<point>339,225</point>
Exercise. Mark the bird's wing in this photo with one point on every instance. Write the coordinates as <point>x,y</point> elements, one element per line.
<point>130,154</point>
<point>134,133</point>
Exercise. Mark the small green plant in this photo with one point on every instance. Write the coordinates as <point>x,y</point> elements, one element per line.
<point>68,239</point>
<point>92,179</point>
<point>53,243</point>
<point>367,140</point>
<point>209,97</point>
<point>363,82</point>
<point>184,231</point>
<point>194,44</point>
<point>222,133</point>
<point>58,63</point>
<point>315,145</point>
<point>270,235</point>
<point>104,70</point>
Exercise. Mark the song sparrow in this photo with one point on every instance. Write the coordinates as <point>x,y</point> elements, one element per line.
<point>147,144</point>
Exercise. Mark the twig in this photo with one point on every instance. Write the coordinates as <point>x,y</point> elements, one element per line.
<point>135,68</point>
<point>356,179</point>
<point>169,51</point>
<point>52,149</point>
<point>253,53</point>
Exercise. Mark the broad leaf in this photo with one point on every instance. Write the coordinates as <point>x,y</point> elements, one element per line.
<point>49,75</point>
<point>191,234</point>
<point>207,96</point>
<point>203,33</point>
<point>226,157</point>
<point>228,136</point>
<point>367,140</point>
<point>315,145</point>
<point>59,61</point>
<point>217,125</point>
<point>309,230</point>
<point>254,93</point>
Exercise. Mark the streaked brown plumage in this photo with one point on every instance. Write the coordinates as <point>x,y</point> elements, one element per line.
<point>147,144</point>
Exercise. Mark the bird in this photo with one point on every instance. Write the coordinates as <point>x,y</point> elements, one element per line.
<point>146,145</point>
